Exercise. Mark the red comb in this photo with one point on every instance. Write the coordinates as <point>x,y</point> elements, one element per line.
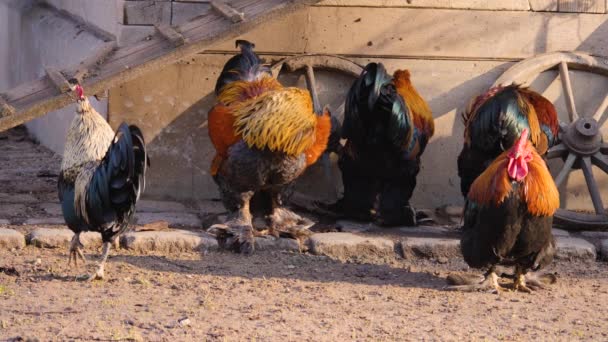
<point>79,92</point>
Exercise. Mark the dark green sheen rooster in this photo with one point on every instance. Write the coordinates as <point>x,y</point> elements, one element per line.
<point>495,120</point>
<point>387,125</point>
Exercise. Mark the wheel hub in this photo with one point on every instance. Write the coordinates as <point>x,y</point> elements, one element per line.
<point>583,137</point>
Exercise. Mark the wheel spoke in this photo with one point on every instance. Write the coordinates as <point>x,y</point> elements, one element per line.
<point>563,127</point>
<point>601,109</point>
<point>604,148</point>
<point>312,88</point>
<point>567,86</point>
<point>559,179</point>
<point>600,161</point>
<point>557,151</point>
<point>592,186</point>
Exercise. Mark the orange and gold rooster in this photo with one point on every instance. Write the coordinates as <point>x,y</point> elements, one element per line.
<point>508,218</point>
<point>265,136</point>
<point>387,125</point>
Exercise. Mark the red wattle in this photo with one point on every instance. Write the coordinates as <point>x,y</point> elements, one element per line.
<point>518,167</point>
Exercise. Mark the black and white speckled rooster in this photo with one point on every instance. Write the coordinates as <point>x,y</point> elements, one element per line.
<point>102,176</point>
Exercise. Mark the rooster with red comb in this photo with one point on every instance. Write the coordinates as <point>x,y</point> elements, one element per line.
<point>508,218</point>
<point>102,175</point>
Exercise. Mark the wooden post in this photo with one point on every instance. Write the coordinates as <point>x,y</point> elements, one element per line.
<point>228,11</point>
<point>170,34</point>
<point>58,80</point>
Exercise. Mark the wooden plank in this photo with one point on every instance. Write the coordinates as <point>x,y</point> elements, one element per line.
<point>58,80</point>
<point>148,12</point>
<point>227,11</point>
<point>494,5</point>
<point>582,6</point>
<point>34,99</point>
<point>183,12</point>
<point>544,5</point>
<point>170,34</point>
<point>428,33</point>
<point>5,108</point>
<point>95,59</point>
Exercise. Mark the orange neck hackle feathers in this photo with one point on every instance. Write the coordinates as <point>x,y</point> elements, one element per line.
<point>422,114</point>
<point>322,132</point>
<point>239,91</point>
<point>537,187</point>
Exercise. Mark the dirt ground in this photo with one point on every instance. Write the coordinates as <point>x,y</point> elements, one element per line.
<point>283,296</point>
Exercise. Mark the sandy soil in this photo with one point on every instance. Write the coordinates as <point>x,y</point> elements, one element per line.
<point>284,296</point>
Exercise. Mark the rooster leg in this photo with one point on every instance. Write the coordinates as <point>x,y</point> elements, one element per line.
<point>490,282</point>
<point>99,275</point>
<point>285,222</point>
<point>519,283</point>
<point>76,251</point>
<point>237,232</point>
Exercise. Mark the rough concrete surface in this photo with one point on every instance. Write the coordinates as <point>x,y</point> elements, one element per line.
<point>594,237</point>
<point>433,248</point>
<point>44,221</point>
<point>151,206</point>
<point>345,246</point>
<point>569,248</point>
<point>61,237</point>
<point>174,219</point>
<point>10,239</point>
<point>168,241</point>
<point>272,244</point>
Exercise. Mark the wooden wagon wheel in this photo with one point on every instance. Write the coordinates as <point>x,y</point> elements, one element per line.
<point>318,71</point>
<point>581,144</point>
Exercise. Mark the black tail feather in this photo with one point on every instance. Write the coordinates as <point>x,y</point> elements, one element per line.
<point>245,66</point>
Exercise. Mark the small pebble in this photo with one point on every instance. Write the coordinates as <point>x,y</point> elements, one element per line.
<point>184,322</point>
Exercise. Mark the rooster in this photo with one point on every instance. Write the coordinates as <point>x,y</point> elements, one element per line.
<point>495,120</point>
<point>509,216</point>
<point>387,125</point>
<point>265,136</point>
<point>102,175</point>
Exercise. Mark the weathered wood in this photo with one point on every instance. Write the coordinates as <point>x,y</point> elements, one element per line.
<point>147,12</point>
<point>97,58</point>
<point>525,72</point>
<point>35,98</point>
<point>170,34</point>
<point>227,11</point>
<point>80,22</point>
<point>429,33</point>
<point>544,5</point>
<point>186,11</point>
<point>495,5</point>
<point>5,108</point>
<point>582,6</point>
<point>58,80</point>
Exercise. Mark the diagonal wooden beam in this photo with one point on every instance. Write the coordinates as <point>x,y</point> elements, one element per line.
<point>5,108</point>
<point>36,98</point>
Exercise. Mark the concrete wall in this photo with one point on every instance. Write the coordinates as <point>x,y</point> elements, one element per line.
<point>454,49</point>
<point>453,55</point>
<point>34,37</point>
